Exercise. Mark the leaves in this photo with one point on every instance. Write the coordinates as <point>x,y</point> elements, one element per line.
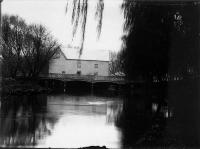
<point>79,17</point>
<point>160,37</point>
<point>99,15</point>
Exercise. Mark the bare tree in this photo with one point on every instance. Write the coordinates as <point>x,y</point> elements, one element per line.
<point>27,49</point>
<point>40,48</point>
<point>13,30</point>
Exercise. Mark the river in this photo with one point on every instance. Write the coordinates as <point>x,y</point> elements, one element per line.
<point>60,121</point>
<point>73,121</point>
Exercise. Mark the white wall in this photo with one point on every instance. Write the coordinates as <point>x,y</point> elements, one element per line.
<point>69,66</point>
<point>57,65</point>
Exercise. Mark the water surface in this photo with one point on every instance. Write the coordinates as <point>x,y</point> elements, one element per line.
<point>60,121</point>
<point>161,119</point>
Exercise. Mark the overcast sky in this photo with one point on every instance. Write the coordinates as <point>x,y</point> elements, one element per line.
<point>51,13</point>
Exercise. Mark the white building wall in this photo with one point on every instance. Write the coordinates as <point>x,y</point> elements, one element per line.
<point>88,67</point>
<point>69,66</point>
<point>57,65</point>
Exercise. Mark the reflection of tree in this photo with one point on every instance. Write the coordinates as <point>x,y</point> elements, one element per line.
<point>184,98</point>
<point>24,120</point>
<point>143,126</point>
<point>114,110</point>
<point>140,127</point>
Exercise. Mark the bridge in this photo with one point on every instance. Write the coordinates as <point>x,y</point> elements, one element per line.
<point>87,82</point>
<point>85,78</point>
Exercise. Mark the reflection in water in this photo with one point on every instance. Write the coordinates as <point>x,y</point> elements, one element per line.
<point>24,120</point>
<point>60,121</point>
<point>84,121</point>
<point>170,120</point>
<point>184,98</point>
<point>135,120</point>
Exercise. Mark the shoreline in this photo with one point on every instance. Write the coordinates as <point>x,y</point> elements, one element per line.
<point>19,87</point>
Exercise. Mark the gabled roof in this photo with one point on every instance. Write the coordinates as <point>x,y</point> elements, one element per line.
<point>61,52</point>
<point>87,60</point>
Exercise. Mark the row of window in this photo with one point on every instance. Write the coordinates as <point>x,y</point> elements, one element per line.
<point>79,72</point>
<point>79,65</point>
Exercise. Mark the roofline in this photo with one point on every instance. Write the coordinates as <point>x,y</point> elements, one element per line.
<point>63,54</point>
<point>80,59</point>
<point>87,60</point>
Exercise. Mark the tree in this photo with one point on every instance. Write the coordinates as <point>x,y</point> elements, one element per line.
<point>116,64</point>
<point>27,49</point>
<point>162,38</point>
<point>79,17</point>
<point>40,48</point>
<point>157,35</point>
<point>13,31</point>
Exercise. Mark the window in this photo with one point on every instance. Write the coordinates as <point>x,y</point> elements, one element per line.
<point>79,64</point>
<point>95,65</point>
<point>78,72</point>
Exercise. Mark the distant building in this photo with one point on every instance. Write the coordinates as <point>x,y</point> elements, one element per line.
<point>62,65</point>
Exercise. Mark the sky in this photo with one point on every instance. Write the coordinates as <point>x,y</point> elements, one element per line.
<point>52,14</point>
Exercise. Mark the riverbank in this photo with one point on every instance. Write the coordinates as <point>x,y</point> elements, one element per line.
<point>22,87</point>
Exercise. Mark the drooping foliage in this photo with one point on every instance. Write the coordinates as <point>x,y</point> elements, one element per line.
<point>79,17</point>
<point>116,64</point>
<point>161,38</point>
<point>145,50</point>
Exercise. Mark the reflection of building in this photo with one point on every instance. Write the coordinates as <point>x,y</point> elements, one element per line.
<point>78,66</point>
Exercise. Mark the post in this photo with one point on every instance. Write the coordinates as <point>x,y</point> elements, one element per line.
<point>92,88</point>
<point>64,87</point>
